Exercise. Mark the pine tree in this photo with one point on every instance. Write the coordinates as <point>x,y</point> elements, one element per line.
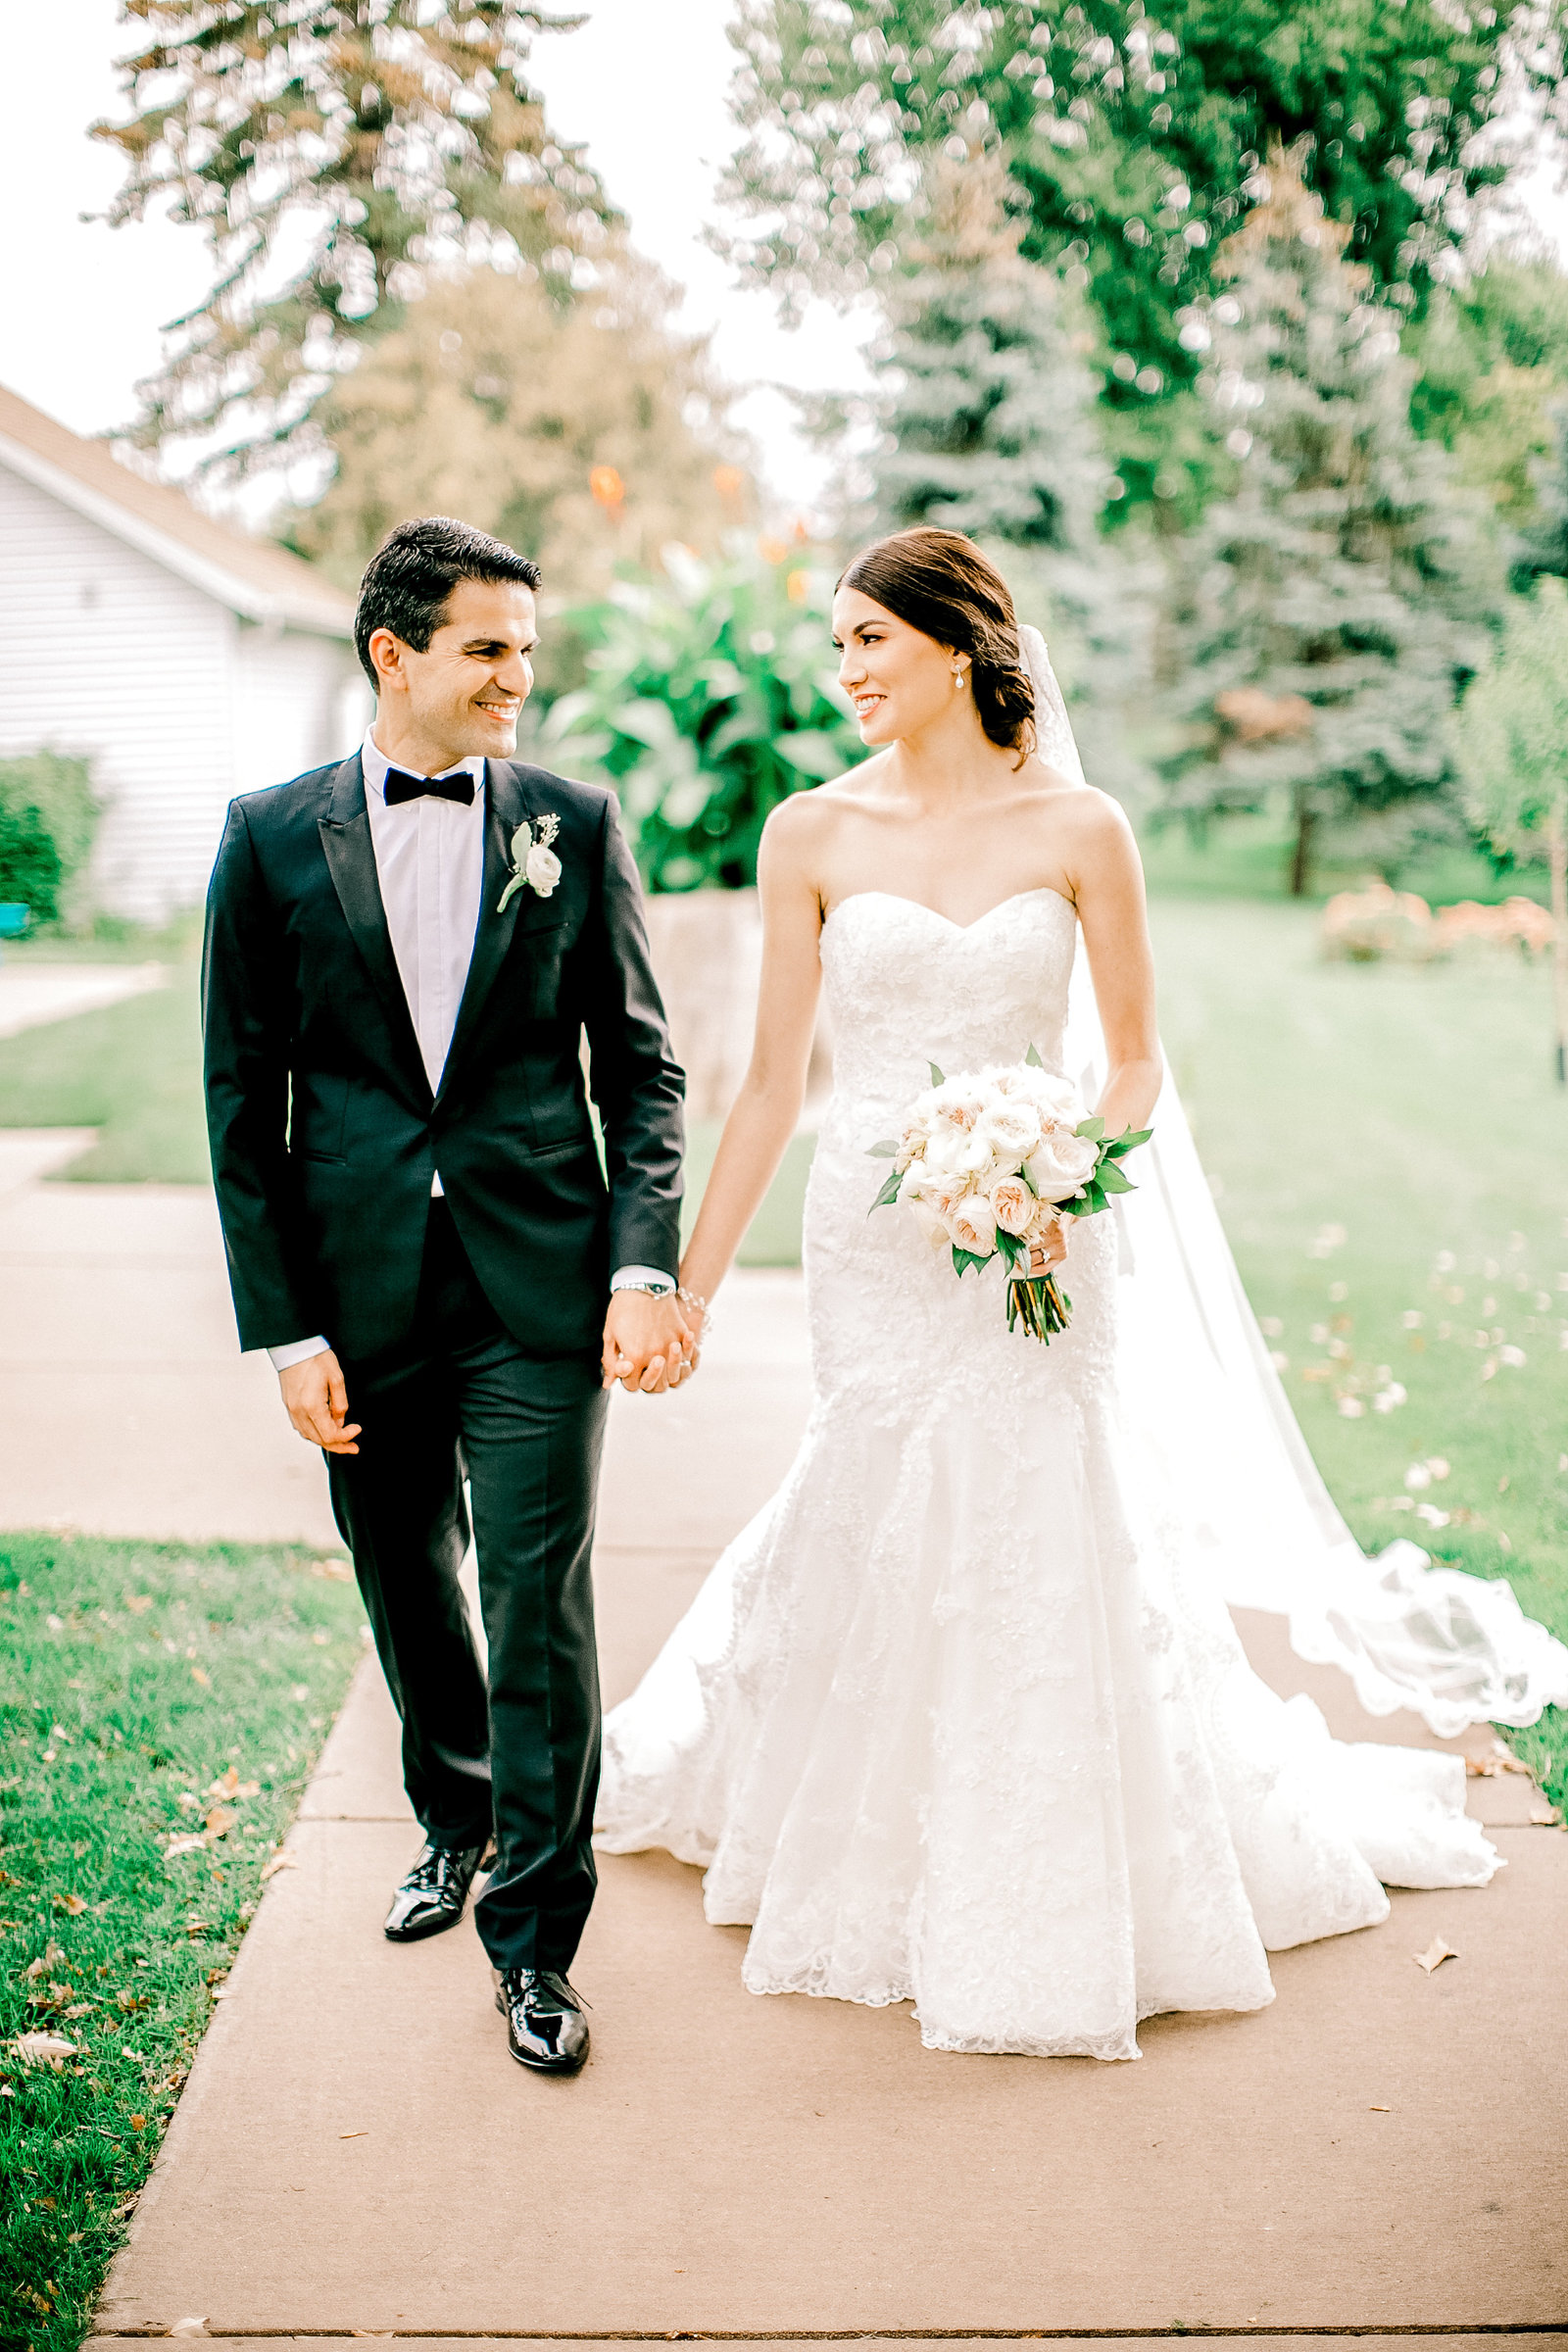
<point>1326,614</point>
<point>991,422</point>
<point>330,149</point>
<point>989,427</point>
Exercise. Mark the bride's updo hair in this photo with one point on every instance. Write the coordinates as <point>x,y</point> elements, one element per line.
<point>941,584</point>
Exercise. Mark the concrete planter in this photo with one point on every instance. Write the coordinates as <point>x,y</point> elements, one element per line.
<point>707,952</point>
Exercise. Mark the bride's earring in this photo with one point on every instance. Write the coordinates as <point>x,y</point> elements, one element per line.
<point>958,679</point>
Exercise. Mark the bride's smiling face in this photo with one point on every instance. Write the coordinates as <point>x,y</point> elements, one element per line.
<point>899,680</point>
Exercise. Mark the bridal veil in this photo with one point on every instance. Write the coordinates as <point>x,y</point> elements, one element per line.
<point>1205,1407</point>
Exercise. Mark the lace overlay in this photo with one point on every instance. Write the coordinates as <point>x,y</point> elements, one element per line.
<point>961,1717</point>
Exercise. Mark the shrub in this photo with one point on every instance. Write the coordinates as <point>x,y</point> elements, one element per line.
<point>47,819</point>
<point>711,696</point>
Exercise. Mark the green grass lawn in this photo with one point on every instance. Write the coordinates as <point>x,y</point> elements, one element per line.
<point>150,1692</point>
<point>1390,1154</point>
<point>132,1070</point>
<point>1249,857</point>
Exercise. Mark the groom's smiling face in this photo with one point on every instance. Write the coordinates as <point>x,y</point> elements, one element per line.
<point>464,693</point>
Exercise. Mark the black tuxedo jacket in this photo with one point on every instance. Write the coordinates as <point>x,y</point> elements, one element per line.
<point>325,1132</point>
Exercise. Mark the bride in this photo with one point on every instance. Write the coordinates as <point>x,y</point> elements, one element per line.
<point>962,1717</point>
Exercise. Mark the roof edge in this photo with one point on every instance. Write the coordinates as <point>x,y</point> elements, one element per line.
<point>225,587</point>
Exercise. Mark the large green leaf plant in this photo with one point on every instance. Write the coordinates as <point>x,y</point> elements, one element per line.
<point>711,695</point>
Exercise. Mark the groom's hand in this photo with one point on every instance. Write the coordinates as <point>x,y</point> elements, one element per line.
<point>317,1401</point>
<point>650,1343</point>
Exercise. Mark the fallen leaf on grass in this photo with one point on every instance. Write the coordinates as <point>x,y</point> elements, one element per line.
<point>72,1903</point>
<point>190,1841</point>
<point>339,1569</point>
<point>138,1601</point>
<point>1434,1956</point>
<point>42,2049</point>
<point>197,1676</point>
<point>219,1821</point>
<point>283,1859</point>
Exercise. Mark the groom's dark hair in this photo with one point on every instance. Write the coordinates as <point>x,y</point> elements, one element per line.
<point>412,572</point>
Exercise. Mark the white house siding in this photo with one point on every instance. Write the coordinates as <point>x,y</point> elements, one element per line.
<point>178,705</point>
<point>300,700</point>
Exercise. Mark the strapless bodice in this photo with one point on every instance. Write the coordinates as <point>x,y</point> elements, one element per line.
<point>907,987</point>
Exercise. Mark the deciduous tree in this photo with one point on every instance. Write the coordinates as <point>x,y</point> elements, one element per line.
<point>1510,740</point>
<point>587,435</point>
<point>1135,134</point>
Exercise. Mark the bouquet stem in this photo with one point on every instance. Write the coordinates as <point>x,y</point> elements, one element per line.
<point>1035,1301</point>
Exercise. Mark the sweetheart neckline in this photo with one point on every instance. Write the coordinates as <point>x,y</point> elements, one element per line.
<point>1042,890</point>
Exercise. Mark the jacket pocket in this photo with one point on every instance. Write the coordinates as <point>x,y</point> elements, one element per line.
<point>544,946</point>
<point>319,1103</point>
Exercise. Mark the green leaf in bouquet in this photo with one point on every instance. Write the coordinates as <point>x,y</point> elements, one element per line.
<point>1094,1129</point>
<point>937,1078</point>
<point>963,1259</point>
<point>1023,1171</point>
<point>1121,1145</point>
<point>882,1150</point>
<point>1112,1180</point>
<point>1032,1059</point>
<point>888,1197</point>
<point>1012,1250</point>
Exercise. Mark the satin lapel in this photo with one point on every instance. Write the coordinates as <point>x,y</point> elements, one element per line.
<point>349,856</point>
<point>505,805</point>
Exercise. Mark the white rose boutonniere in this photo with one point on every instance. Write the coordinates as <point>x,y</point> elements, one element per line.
<point>533,861</point>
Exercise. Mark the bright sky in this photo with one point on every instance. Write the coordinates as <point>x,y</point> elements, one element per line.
<point>642,85</point>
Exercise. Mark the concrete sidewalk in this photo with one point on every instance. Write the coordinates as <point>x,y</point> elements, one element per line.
<point>31,994</point>
<point>1379,2151</point>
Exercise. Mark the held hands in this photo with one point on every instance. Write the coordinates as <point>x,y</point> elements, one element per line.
<point>317,1401</point>
<point>651,1344</point>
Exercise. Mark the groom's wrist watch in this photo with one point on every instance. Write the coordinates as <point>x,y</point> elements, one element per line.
<point>643,1278</point>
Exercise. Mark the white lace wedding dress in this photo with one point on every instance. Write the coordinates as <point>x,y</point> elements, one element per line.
<point>962,1717</point>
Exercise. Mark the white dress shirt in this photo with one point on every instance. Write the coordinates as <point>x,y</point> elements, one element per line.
<point>429,862</point>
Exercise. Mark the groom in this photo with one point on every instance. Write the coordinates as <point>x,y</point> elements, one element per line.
<point>404,954</point>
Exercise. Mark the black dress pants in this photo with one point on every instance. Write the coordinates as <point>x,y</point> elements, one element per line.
<point>458,1397</point>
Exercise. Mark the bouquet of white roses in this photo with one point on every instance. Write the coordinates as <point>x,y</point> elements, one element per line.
<point>989,1164</point>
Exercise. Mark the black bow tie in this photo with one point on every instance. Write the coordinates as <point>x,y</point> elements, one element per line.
<point>400,787</point>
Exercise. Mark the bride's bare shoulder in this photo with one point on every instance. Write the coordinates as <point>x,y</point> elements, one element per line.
<point>1094,820</point>
<point>800,825</point>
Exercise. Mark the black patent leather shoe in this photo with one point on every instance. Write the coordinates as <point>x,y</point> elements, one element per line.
<point>431,1897</point>
<point>546,2028</point>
